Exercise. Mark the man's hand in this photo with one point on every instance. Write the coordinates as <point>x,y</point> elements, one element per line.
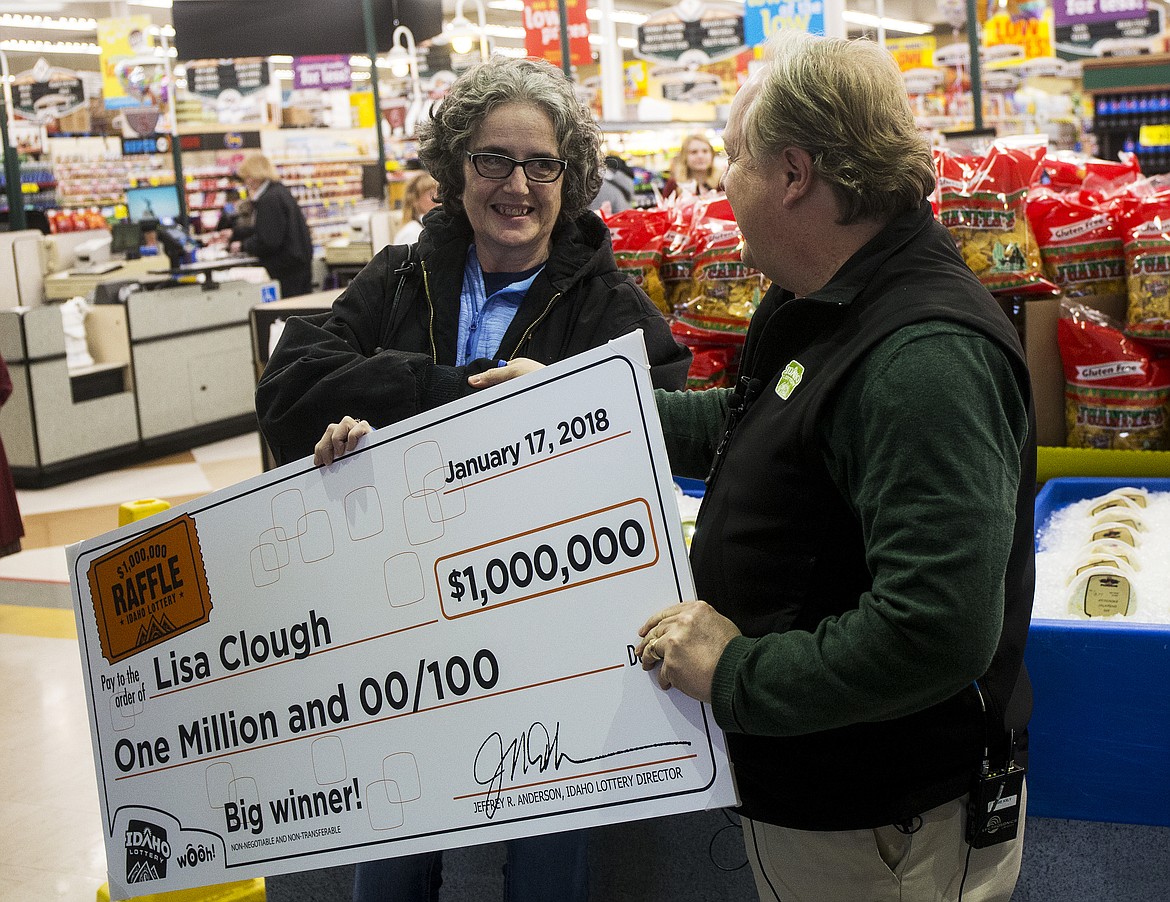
<point>516,367</point>
<point>688,640</point>
<point>339,438</point>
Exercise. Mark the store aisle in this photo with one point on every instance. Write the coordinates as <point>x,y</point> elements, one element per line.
<point>50,822</point>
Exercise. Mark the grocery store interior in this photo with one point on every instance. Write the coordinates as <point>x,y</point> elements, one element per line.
<point>133,334</point>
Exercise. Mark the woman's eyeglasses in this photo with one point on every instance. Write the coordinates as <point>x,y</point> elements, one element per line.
<point>498,166</point>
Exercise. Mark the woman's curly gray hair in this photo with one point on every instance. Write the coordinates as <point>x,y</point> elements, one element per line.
<point>444,139</point>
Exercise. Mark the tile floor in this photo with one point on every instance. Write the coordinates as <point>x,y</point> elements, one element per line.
<point>50,825</point>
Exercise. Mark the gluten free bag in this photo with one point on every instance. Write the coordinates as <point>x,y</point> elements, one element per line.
<point>1117,388</point>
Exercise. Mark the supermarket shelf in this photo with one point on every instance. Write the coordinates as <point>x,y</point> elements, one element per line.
<point>1053,462</point>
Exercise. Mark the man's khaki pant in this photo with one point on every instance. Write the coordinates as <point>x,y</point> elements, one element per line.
<point>883,865</point>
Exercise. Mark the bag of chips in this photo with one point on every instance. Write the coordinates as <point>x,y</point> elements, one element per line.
<point>714,355</point>
<point>678,250</point>
<point>982,201</point>
<point>637,237</point>
<point>725,291</point>
<point>1079,244</point>
<point>1145,229</point>
<point>1117,389</point>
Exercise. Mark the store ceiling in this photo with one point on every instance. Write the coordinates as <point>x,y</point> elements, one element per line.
<point>158,10</point>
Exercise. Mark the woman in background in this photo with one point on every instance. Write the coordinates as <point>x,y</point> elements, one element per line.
<point>693,168</point>
<point>279,236</point>
<point>11,527</point>
<point>417,201</point>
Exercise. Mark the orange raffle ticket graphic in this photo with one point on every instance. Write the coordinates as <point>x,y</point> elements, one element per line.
<point>150,589</point>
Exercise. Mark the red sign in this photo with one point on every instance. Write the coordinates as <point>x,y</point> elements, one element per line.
<point>542,22</point>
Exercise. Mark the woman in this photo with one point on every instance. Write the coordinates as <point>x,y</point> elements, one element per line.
<point>279,235</point>
<point>693,168</point>
<point>513,265</point>
<point>417,200</point>
<point>11,527</point>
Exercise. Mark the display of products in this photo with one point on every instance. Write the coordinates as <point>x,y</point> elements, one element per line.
<point>1106,558</point>
<point>1117,388</point>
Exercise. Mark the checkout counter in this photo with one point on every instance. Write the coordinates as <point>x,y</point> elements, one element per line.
<point>172,369</point>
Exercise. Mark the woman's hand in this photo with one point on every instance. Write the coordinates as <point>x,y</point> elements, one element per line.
<point>339,438</point>
<point>518,366</point>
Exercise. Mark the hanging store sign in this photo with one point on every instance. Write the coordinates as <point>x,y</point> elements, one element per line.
<point>151,144</point>
<point>210,78</point>
<point>327,73</point>
<point>692,33</point>
<point>241,140</point>
<point>45,93</point>
<point>542,31</point>
<point>234,88</point>
<point>1112,38</point>
<point>763,18</point>
<point>912,53</point>
<point>131,74</point>
<point>1007,40</point>
<point>1073,12</point>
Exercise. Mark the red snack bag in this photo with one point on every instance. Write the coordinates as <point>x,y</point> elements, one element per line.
<point>1117,389</point>
<point>725,292</point>
<point>1145,228</point>
<point>1079,244</point>
<point>714,355</point>
<point>678,251</point>
<point>637,237</point>
<point>985,212</point>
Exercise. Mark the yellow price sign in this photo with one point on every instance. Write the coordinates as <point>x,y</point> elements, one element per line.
<point>1154,135</point>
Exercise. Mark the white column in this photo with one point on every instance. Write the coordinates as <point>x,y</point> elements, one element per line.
<point>613,82</point>
<point>835,18</point>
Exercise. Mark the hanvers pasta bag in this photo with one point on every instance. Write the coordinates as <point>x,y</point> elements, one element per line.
<point>714,355</point>
<point>637,237</point>
<point>1079,244</point>
<point>1145,228</point>
<point>982,201</point>
<point>1068,171</point>
<point>722,295</point>
<point>1116,388</point>
<point>725,291</point>
<point>678,251</point>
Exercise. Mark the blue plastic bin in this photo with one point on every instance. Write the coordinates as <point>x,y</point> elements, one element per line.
<point>1100,729</point>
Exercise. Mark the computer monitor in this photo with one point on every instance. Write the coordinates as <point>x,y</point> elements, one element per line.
<point>125,238</point>
<point>157,203</point>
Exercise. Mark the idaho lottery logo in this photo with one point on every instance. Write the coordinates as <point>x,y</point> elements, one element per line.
<point>150,589</point>
<point>147,852</point>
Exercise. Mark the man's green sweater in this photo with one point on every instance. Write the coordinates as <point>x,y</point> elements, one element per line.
<point>934,528</point>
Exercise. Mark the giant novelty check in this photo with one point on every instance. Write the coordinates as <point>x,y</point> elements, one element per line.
<point>428,644</point>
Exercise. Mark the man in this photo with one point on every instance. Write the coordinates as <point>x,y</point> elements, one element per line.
<point>864,548</point>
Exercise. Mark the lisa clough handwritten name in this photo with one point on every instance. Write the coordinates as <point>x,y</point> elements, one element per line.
<point>537,443</point>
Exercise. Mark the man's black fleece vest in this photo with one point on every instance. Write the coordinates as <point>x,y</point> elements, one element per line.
<point>777,548</point>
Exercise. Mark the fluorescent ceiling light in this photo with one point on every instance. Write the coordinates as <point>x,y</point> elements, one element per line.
<point>47,23</point>
<point>618,16</point>
<point>624,43</point>
<point>157,4</point>
<point>871,21</point>
<point>512,32</point>
<point>625,18</point>
<point>49,47</point>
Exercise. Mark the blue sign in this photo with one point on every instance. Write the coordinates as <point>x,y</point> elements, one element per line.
<point>762,18</point>
<point>267,294</point>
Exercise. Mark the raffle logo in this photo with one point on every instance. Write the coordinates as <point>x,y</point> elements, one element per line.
<point>150,590</point>
<point>147,852</point>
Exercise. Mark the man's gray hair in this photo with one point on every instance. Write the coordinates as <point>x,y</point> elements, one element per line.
<point>845,103</point>
<point>444,139</point>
